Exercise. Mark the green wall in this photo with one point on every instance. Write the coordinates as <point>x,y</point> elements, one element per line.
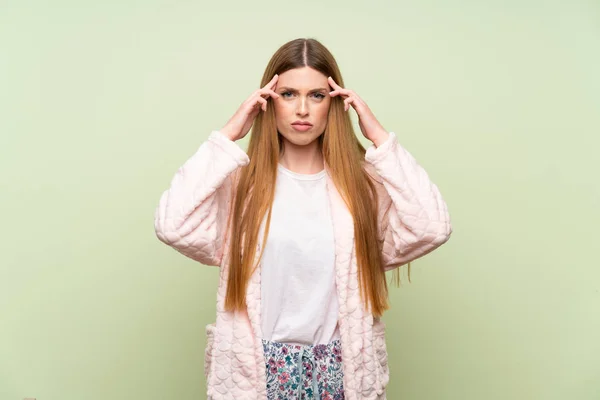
<point>101,102</point>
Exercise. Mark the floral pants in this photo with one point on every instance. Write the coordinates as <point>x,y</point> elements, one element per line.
<point>296,372</point>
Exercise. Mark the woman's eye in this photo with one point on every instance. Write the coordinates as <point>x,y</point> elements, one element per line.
<point>319,96</point>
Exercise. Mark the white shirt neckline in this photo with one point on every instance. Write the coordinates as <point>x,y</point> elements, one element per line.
<point>304,177</point>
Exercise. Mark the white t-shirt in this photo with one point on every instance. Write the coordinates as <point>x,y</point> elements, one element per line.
<point>298,290</point>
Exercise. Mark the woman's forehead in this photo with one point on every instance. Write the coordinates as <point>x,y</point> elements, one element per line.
<point>302,79</point>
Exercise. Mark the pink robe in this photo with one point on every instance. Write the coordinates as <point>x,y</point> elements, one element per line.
<point>191,217</point>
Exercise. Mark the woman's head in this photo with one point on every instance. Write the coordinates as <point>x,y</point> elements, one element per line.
<point>303,66</point>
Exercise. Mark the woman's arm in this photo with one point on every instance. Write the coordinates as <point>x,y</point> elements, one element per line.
<point>192,214</point>
<point>414,217</point>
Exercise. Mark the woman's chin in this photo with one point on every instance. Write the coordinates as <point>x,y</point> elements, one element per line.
<point>300,138</point>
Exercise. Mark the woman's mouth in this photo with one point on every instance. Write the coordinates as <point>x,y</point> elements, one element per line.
<point>301,126</point>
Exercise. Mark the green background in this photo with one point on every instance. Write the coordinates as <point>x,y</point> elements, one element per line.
<point>101,102</point>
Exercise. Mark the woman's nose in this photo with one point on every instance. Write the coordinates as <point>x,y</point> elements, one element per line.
<point>302,107</point>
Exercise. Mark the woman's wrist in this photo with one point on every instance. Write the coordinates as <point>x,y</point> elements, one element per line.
<point>380,138</point>
<point>228,134</point>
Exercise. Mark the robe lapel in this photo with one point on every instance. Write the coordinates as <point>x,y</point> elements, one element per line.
<point>343,225</point>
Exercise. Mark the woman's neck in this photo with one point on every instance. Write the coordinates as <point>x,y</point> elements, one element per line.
<point>307,159</point>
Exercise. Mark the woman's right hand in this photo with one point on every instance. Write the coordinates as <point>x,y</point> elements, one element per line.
<point>240,123</point>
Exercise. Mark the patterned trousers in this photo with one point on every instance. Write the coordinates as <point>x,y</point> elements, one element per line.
<point>302,372</point>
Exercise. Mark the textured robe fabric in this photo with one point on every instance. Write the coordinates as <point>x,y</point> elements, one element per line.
<point>192,215</point>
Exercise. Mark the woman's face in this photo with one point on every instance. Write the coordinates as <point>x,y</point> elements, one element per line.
<point>304,97</point>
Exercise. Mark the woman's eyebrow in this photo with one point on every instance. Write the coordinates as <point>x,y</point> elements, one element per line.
<point>296,90</point>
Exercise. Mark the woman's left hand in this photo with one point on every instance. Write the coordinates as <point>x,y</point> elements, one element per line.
<point>369,126</point>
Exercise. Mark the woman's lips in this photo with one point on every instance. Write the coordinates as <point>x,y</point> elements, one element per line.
<point>301,127</point>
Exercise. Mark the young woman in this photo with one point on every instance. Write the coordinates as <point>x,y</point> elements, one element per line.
<point>303,227</point>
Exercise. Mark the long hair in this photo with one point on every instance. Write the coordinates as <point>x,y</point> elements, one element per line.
<point>344,156</point>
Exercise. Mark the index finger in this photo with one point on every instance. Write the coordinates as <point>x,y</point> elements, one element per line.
<point>272,82</point>
<point>333,83</point>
